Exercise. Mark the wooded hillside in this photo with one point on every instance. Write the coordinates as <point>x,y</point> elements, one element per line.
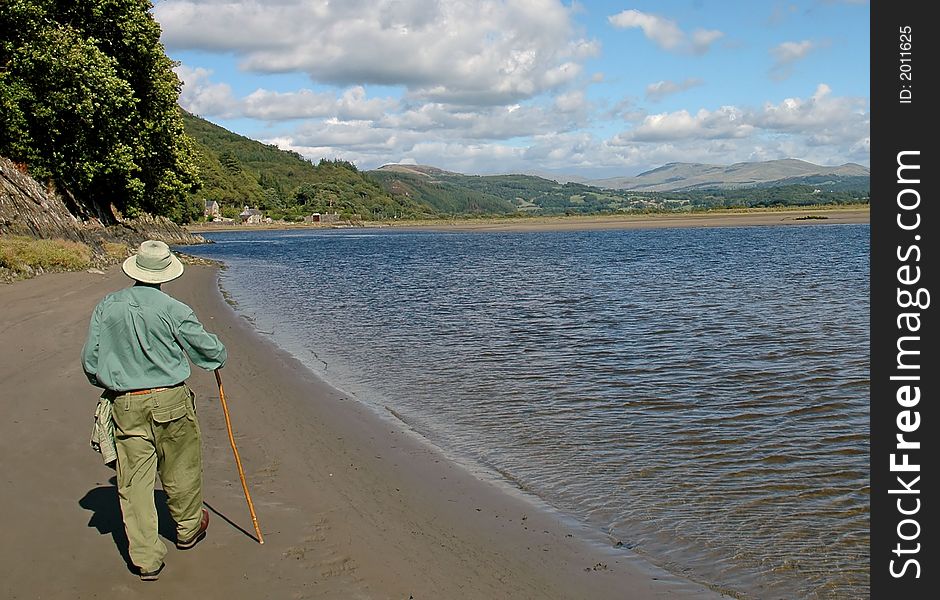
<point>237,171</point>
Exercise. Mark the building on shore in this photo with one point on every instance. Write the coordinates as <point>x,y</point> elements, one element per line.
<point>212,209</point>
<point>324,218</point>
<point>251,216</point>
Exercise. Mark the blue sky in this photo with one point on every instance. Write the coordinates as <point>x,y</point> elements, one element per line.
<point>590,89</point>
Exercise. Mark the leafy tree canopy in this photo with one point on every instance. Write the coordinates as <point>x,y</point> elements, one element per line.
<point>88,100</point>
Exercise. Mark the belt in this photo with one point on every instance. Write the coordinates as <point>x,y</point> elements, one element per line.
<point>151,390</point>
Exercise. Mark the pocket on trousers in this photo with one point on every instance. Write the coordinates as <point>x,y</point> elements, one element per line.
<point>169,414</point>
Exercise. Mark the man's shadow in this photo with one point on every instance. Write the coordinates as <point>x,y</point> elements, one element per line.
<point>107,518</point>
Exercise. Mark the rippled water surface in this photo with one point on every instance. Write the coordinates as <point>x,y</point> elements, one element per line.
<point>699,394</point>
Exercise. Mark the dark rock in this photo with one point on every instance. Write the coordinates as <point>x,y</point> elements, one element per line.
<point>32,209</point>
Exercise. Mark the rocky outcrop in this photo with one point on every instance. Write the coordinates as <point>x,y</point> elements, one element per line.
<point>32,209</point>
<point>156,228</point>
<point>27,208</point>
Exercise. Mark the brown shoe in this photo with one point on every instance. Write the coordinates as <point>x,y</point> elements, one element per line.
<point>151,575</point>
<point>198,537</point>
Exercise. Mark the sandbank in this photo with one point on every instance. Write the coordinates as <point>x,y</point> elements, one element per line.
<point>351,503</point>
<point>751,218</point>
<point>741,218</point>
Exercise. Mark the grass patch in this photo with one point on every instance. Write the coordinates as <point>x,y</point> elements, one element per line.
<point>24,255</point>
<point>116,252</point>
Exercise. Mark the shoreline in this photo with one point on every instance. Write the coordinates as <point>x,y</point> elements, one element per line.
<point>351,503</point>
<point>737,218</point>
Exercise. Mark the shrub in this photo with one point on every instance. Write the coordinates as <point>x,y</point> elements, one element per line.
<point>22,255</point>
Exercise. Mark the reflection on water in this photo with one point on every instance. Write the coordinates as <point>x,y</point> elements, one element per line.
<point>700,394</point>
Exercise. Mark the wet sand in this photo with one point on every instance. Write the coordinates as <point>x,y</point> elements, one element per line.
<point>661,221</point>
<point>351,503</point>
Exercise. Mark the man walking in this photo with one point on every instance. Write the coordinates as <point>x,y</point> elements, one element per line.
<point>137,348</point>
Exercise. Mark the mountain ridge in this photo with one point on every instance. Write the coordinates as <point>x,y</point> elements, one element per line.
<point>682,176</point>
<point>678,176</point>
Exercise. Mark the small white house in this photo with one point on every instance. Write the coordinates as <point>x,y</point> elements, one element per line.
<point>251,216</point>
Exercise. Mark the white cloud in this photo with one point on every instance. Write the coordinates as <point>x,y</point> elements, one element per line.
<point>666,33</point>
<point>659,90</point>
<point>821,128</point>
<point>303,104</point>
<point>571,102</point>
<point>495,123</point>
<point>821,117</point>
<point>725,122</point>
<point>354,105</point>
<point>623,110</point>
<point>275,106</point>
<point>485,86</point>
<point>788,53</point>
<point>353,135</point>
<point>542,133</point>
<point>485,52</point>
<point>861,148</point>
<point>483,158</point>
<point>321,109</point>
<point>315,153</point>
<point>201,96</point>
<point>453,156</point>
<point>663,32</point>
<point>575,150</point>
<point>702,39</point>
<point>705,136</point>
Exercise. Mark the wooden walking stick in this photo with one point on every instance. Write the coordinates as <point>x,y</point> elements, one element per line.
<point>238,461</point>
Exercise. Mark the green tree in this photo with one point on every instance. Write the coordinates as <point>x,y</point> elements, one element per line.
<point>88,100</point>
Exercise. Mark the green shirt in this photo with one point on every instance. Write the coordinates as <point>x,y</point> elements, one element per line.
<point>139,338</point>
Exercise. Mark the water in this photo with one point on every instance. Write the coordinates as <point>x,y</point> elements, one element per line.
<point>700,395</point>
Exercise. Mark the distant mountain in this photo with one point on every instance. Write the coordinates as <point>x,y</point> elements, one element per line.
<point>696,176</point>
<point>423,170</point>
<point>671,187</point>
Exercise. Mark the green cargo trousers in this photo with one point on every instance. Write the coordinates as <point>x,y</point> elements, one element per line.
<point>157,433</point>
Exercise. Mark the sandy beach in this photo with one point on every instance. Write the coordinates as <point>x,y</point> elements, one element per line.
<point>351,503</point>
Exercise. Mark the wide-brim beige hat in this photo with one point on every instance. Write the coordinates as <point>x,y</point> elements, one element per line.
<point>153,263</point>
